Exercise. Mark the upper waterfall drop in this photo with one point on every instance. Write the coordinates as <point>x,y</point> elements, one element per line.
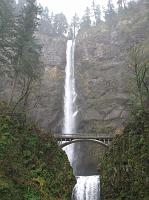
<point>70,93</point>
<point>87,188</point>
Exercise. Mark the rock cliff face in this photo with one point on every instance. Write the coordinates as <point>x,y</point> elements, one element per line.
<point>103,82</point>
<point>48,113</point>
<point>103,74</point>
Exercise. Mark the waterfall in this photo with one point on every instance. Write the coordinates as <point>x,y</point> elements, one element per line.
<point>87,187</point>
<point>70,94</point>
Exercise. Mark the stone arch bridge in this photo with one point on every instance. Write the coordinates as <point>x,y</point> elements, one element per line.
<point>67,139</point>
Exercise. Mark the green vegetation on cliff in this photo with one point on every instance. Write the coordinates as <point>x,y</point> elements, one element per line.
<point>32,167</point>
<point>124,169</point>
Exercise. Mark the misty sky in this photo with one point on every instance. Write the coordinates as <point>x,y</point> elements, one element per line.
<point>69,7</point>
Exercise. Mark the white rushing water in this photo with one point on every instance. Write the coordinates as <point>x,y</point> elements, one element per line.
<point>87,187</point>
<point>70,111</point>
<point>70,93</point>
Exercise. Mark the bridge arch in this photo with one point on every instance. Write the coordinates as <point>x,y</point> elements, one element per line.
<point>83,140</point>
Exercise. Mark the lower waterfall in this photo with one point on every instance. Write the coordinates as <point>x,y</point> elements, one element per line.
<point>87,187</point>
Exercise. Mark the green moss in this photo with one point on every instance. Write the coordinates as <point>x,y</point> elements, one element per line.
<point>124,170</point>
<point>32,167</point>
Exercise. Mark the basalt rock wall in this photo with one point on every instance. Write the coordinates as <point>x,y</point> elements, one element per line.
<point>103,75</point>
<point>48,113</point>
<point>104,81</point>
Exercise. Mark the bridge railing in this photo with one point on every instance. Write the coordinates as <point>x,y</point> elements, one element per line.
<point>83,136</point>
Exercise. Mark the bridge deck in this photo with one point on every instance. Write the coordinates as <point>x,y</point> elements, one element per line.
<point>66,139</point>
<point>82,136</point>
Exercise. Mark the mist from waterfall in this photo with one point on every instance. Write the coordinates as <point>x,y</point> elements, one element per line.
<point>87,188</point>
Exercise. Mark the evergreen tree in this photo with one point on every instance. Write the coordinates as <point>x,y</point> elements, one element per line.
<point>110,15</point>
<point>46,22</point>
<point>60,24</point>
<point>75,24</point>
<point>51,24</point>
<point>7,25</point>
<point>26,60</point>
<point>97,13</point>
<point>20,5</point>
<point>86,19</point>
<point>121,4</point>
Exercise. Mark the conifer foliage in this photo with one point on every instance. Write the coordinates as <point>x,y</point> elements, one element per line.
<point>19,49</point>
<point>27,51</point>
<point>6,32</point>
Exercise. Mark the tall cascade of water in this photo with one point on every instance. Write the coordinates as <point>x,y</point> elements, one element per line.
<point>87,187</point>
<point>70,93</point>
<point>70,96</point>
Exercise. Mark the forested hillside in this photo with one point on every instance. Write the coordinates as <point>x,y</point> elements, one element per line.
<point>93,69</point>
<point>124,168</point>
<point>32,166</point>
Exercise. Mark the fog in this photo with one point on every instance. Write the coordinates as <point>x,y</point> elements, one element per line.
<point>69,8</point>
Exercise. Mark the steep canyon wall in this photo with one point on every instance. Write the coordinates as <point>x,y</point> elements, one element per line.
<point>103,74</point>
<point>48,113</point>
<point>104,81</point>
